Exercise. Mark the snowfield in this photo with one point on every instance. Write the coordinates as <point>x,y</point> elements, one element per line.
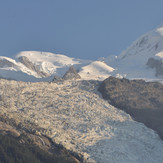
<point>132,62</point>
<point>78,118</point>
<point>97,70</point>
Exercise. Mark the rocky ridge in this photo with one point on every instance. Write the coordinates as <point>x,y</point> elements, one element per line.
<point>142,100</point>
<point>71,74</point>
<point>24,60</point>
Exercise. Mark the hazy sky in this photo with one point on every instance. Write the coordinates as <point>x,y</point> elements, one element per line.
<point>87,29</point>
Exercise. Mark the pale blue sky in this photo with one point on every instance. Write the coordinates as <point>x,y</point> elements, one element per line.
<point>87,29</point>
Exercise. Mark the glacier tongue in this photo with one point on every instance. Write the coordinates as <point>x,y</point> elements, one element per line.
<point>78,118</point>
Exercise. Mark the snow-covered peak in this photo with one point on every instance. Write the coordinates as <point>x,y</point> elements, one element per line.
<point>97,70</point>
<point>50,63</point>
<point>36,57</point>
<point>134,61</point>
<point>40,65</point>
<point>148,45</point>
<point>143,59</point>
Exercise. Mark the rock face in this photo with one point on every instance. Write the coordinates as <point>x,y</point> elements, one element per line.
<point>142,100</point>
<point>6,63</point>
<point>31,66</point>
<point>71,74</point>
<point>57,79</point>
<point>157,64</point>
<point>27,143</point>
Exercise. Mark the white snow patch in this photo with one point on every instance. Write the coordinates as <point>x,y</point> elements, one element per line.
<point>160,31</point>
<point>97,70</point>
<point>160,54</point>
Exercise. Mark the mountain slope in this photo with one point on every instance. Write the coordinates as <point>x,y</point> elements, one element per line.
<point>133,62</point>
<point>97,130</point>
<point>20,142</point>
<point>96,70</point>
<point>56,64</point>
<point>142,100</point>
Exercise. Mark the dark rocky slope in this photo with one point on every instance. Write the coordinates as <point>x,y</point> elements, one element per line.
<point>142,100</point>
<point>24,60</point>
<point>71,74</point>
<point>23,142</point>
<point>12,151</point>
<point>157,65</point>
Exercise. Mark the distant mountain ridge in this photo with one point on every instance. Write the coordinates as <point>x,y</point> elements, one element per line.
<point>143,59</point>
<point>43,66</point>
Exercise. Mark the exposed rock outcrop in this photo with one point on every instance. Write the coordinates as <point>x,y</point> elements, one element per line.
<point>6,63</point>
<point>71,74</point>
<point>31,66</point>
<point>142,100</point>
<point>57,79</point>
<point>17,135</point>
<point>157,64</point>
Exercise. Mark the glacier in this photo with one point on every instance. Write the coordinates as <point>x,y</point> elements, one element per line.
<point>76,116</point>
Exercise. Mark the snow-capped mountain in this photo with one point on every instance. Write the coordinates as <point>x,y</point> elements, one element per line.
<point>73,112</point>
<point>143,59</point>
<point>35,66</point>
<point>48,63</point>
<point>74,115</point>
<point>96,70</point>
<point>43,66</point>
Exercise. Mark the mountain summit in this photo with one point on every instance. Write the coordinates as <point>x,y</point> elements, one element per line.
<point>71,74</point>
<point>43,66</point>
<point>143,59</point>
